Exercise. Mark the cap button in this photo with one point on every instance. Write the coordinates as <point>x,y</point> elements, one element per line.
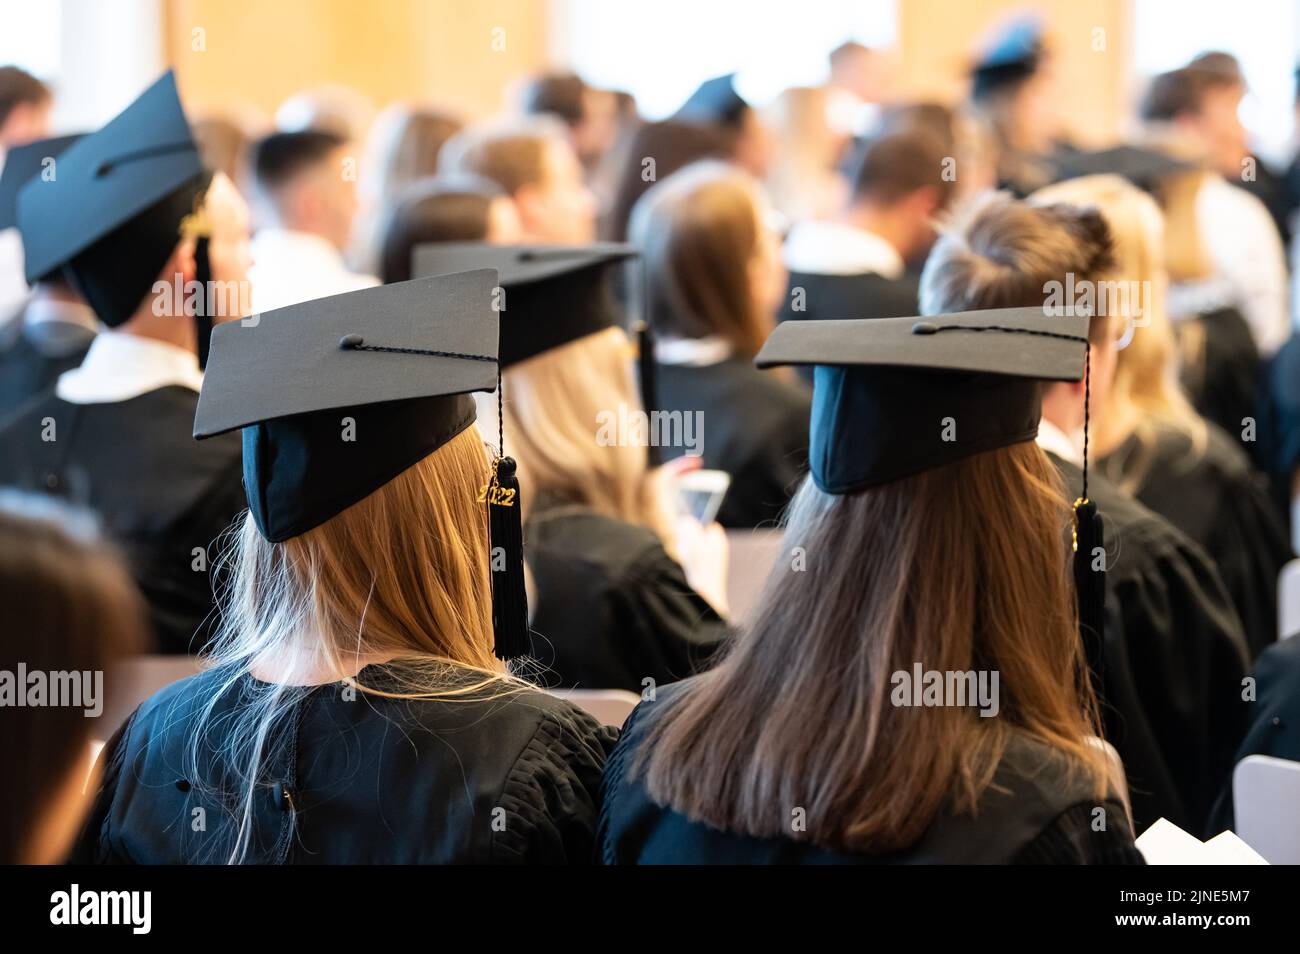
<point>925,328</point>
<point>348,342</point>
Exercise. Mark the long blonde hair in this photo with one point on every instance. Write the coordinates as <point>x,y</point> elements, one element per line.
<point>1146,370</point>
<point>401,575</point>
<point>959,568</point>
<point>555,406</point>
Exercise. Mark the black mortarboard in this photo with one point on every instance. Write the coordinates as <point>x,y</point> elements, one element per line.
<point>893,397</point>
<point>885,388</point>
<point>1145,168</point>
<point>22,164</point>
<point>554,294</point>
<point>337,396</point>
<point>714,102</point>
<point>1012,54</point>
<point>113,213</point>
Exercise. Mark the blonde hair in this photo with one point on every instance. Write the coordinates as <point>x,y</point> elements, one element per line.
<point>1146,370</point>
<point>403,574</point>
<point>958,568</point>
<point>554,407</point>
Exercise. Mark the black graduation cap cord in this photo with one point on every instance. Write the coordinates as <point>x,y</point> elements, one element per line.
<point>108,165</point>
<point>505,524</point>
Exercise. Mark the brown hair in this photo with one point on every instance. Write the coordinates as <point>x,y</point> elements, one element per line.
<point>19,88</point>
<point>70,606</point>
<point>654,152</point>
<point>959,568</point>
<point>894,165</point>
<point>997,252</point>
<point>401,575</point>
<point>455,209</point>
<point>512,155</point>
<point>697,231</point>
<point>1180,92</point>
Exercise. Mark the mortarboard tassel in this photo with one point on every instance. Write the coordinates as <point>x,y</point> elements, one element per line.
<point>646,368</point>
<point>1089,539</point>
<point>197,226</point>
<point>506,537</point>
<point>510,632</point>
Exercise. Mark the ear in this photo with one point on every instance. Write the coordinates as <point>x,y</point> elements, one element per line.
<point>182,261</point>
<point>925,201</point>
<point>527,201</point>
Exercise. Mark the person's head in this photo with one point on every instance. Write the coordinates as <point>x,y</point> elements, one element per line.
<point>401,574</point>
<point>72,609</point>
<point>711,261</point>
<point>163,315</point>
<point>1145,378</point>
<point>333,108</point>
<point>1013,88</point>
<point>899,184</point>
<point>1002,253</point>
<point>1201,105</point>
<point>959,568</point>
<point>304,183</point>
<point>554,405</point>
<point>223,145</point>
<point>655,152</point>
<point>533,163</point>
<point>25,104</point>
<point>589,114</point>
<point>451,209</point>
<point>807,152</point>
<point>403,148</point>
<point>858,69</point>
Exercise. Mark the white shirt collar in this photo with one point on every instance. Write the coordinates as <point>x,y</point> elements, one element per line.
<point>121,366</point>
<point>835,248</point>
<point>692,352</point>
<point>291,267</point>
<point>1055,441</point>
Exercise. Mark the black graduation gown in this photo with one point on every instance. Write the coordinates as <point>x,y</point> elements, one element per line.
<point>1278,447</point>
<point>160,493</point>
<point>1224,385</point>
<point>1173,663</point>
<point>610,607</point>
<point>356,779</point>
<point>1274,716</point>
<point>33,357</point>
<point>1035,813</point>
<point>1218,500</point>
<point>754,426</point>
<point>861,295</point>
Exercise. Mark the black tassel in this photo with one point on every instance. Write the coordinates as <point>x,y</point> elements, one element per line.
<point>1090,584</point>
<point>646,371</point>
<point>509,597</point>
<point>202,319</point>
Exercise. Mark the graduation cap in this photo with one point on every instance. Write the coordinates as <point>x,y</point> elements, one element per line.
<point>1011,54</point>
<point>883,388</point>
<point>22,164</point>
<point>1145,168</point>
<point>114,211</point>
<point>714,102</point>
<point>400,362</point>
<point>554,294</point>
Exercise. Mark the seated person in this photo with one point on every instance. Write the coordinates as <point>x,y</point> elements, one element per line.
<point>71,608</point>
<point>452,209</point>
<point>353,710</point>
<point>1174,653</point>
<point>623,596</point>
<point>1147,438</point>
<point>809,742</point>
<point>713,280</point>
<point>306,202</point>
